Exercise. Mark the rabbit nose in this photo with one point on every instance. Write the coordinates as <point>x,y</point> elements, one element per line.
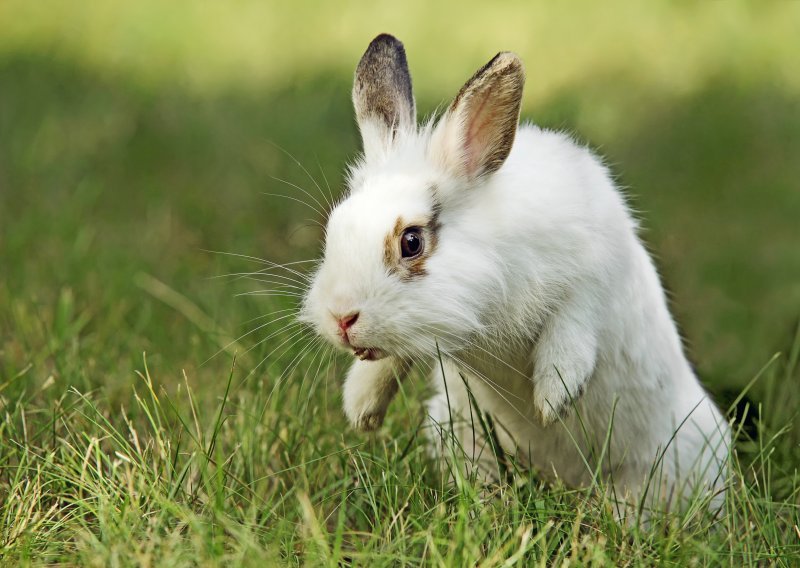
<point>346,322</point>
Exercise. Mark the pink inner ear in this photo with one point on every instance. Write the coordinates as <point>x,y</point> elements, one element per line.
<point>476,137</point>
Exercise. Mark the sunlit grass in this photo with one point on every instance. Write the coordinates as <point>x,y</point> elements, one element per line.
<point>253,475</point>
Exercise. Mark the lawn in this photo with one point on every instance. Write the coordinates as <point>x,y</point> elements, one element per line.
<point>157,408</point>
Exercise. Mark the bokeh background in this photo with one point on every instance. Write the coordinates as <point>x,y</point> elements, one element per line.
<point>136,135</point>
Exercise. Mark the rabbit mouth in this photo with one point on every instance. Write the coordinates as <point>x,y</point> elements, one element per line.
<point>368,353</point>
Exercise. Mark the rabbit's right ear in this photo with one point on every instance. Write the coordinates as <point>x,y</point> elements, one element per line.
<point>382,95</point>
<point>475,135</point>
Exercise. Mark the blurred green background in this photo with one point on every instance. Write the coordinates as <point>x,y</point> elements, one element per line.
<point>136,136</point>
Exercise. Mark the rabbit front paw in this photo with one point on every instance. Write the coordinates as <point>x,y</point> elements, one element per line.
<point>368,390</point>
<point>552,397</point>
<point>564,360</point>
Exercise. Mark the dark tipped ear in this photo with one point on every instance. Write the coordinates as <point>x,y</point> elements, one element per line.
<point>382,95</point>
<point>476,133</point>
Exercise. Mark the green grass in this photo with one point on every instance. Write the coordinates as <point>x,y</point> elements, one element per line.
<point>130,150</point>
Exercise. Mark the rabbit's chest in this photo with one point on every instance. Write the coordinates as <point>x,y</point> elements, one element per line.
<point>501,377</point>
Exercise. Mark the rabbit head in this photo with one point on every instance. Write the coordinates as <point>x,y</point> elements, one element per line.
<point>405,260</point>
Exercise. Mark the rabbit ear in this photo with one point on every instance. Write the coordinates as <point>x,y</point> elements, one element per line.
<point>476,133</point>
<point>382,94</point>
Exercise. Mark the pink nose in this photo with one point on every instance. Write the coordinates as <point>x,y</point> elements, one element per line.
<point>346,322</point>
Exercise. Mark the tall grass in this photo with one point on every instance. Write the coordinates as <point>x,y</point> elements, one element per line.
<point>262,477</point>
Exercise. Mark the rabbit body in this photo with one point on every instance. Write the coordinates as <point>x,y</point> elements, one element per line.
<point>532,293</point>
<point>591,345</point>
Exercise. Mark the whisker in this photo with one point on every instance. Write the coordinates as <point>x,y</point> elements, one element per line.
<point>275,265</point>
<point>262,326</point>
<point>325,350</point>
<point>269,263</point>
<point>286,371</point>
<point>320,225</point>
<point>304,350</point>
<point>322,349</point>
<point>497,388</point>
<point>317,346</point>
<point>293,364</point>
<point>493,386</point>
<point>285,279</point>
<point>296,161</point>
<point>269,314</point>
<point>270,293</point>
<point>321,210</point>
<point>283,286</point>
<point>290,338</point>
<point>284,328</point>
<point>330,192</point>
<point>245,256</point>
<point>314,209</point>
<point>304,225</point>
<point>476,346</point>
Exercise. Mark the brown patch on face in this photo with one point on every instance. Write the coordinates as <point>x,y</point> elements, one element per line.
<point>410,268</point>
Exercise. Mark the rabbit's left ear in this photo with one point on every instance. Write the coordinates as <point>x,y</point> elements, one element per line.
<point>475,135</point>
<point>382,94</point>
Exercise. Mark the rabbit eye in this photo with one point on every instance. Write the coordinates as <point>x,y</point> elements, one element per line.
<point>411,243</point>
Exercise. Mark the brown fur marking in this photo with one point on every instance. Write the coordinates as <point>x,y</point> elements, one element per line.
<point>410,268</point>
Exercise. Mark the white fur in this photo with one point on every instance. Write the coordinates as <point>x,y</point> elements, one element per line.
<point>539,296</point>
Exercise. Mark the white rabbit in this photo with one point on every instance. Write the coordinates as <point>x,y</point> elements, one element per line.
<point>508,254</point>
